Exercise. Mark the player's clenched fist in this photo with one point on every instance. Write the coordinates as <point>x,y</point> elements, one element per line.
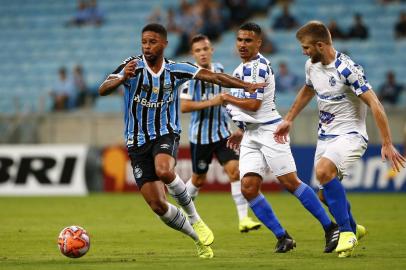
<point>129,69</point>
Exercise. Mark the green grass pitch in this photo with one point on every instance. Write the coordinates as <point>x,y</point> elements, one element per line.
<point>125,234</point>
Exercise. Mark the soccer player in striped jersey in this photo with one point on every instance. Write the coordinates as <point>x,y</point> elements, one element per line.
<point>209,130</point>
<point>257,114</point>
<point>152,128</point>
<point>343,95</point>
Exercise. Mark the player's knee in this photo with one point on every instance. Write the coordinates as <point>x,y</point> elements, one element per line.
<point>290,182</point>
<point>164,173</point>
<point>250,185</point>
<point>234,175</point>
<point>199,180</point>
<point>158,206</point>
<point>323,175</point>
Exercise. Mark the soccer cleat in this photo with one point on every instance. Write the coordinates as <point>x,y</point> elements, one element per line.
<point>346,244</point>
<point>203,232</point>
<point>285,243</point>
<point>247,224</point>
<point>203,251</point>
<point>345,254</point>
<point>332,234</point>
<point>361,231</point>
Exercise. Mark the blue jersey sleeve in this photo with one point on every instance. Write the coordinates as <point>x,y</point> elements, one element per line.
<point>353,74</point>
<point>184,70</point>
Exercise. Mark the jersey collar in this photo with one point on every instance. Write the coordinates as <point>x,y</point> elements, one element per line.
<point>150,70</point>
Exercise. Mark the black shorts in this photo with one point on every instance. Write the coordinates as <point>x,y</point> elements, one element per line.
<point>142,158</point>
<point>202,154</point>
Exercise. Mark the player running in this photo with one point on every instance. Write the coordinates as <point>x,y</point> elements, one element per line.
<point>256,113</point>
<point>209,130</point>
<point>343,94</point>
<point>152,128</point>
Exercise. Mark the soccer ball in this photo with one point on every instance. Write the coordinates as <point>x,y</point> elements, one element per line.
<point>73,241</point>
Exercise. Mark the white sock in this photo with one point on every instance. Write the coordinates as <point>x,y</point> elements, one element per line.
<point>240,202</point>
<point>192,189</point>
<point>178,191</point>
<point>175,219</point>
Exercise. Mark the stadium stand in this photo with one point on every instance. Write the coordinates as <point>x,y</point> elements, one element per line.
<point>36,42</point>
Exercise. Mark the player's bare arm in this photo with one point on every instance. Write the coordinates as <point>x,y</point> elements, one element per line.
<point>114,80</point>
<point>388,151</point>
<point>249,104</point>
<point>190,105</point>
<point>226,80</point>
<point>306,93</point>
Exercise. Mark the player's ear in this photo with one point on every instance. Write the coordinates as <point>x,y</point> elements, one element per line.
<point>319,45</point>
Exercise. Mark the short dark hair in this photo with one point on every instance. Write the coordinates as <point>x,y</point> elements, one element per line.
<point>316,31</point>
<point>250,26</point>
<point>156,28</point>
<point>197,38</point>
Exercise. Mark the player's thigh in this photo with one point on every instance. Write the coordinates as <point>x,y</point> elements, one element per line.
<point>278,156</point>
<point>344,150</point>
<point>143,165</point>
<point>202,155</point>
<point>164,151</point>
<point>251,161</point>
<point>228,158</point>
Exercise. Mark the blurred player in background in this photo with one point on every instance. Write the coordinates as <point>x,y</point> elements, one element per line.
<point>209,130</point>
<point>256,113</point>
<point>152,128</point>
<point>343,94</point>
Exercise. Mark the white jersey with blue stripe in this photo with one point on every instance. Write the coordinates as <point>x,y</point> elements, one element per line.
<point>209,125</point>
<point>151,99</point>
<point>337,86</point>
<point>257,70</point>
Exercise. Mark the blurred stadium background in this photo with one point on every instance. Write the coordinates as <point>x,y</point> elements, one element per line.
<point>39,37</point>
<point>78,149</point>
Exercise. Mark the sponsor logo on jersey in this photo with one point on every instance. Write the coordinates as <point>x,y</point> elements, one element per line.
<point>149,104</point>
<point>168,87</point>
<point>145,87</point>
<point>326,117</point>
<point>165,146</point>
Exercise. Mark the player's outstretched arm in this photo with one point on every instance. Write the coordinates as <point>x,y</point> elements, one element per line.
<point>249,104</point>
<point>190,105</point>
<point>114,80</point>
<point>226,80</point>
<point>388,151</point>
<point>306,93</point>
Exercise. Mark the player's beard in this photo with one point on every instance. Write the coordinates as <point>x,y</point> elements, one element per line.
<point>316,57</point>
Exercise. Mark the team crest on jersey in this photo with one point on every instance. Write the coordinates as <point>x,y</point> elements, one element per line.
<point>332,81</point>
<point>155,90</point>
<point>137,172</point>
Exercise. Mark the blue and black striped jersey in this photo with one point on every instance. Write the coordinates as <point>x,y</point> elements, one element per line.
<point>211,124</point>
<point>151,100</point>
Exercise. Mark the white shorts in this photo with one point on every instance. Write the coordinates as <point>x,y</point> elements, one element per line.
<point>342,150</point>
<point>259,152</point>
